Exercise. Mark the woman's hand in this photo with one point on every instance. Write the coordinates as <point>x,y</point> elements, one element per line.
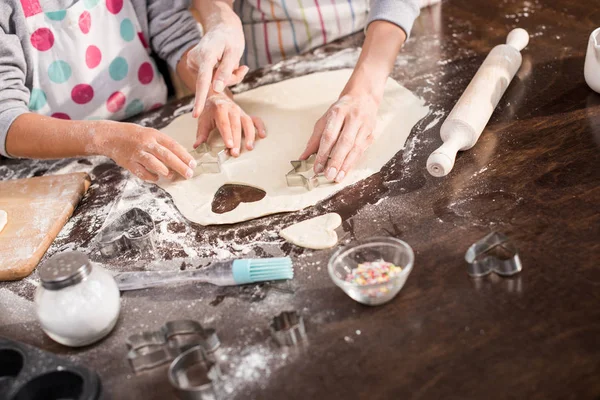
<point>343,134</point>
<point>222,113</point>
<point>216,58</point>
<point>146,152</point>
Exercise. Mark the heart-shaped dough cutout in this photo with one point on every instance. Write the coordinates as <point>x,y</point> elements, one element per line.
<point>315,233</point>
<point>229,196</point>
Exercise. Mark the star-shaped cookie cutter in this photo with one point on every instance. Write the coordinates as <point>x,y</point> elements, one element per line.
<point>296,178</point>
<point>209,158</point>
<point>288,329</point>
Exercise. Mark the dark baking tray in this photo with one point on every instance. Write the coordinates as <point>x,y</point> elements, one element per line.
<point>28,373</point>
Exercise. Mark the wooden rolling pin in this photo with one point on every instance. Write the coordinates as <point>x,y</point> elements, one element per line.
<point>473,110</point>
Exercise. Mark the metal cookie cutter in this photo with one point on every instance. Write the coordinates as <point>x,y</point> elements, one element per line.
<point>296,176</point>
<point>193,375</point>
<point>133,229</point>
<point>151,349</point>
<point>494,253</point>
<point>209,158</point>
<point>288,329</point>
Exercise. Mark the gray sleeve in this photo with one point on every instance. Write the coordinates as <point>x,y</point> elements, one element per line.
<point>400,12</point>
<point>172,28</point>
<point>14,95</point>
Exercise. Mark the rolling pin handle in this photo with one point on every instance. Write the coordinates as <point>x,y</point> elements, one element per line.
<point>441,161</point>
<point>518,38</point>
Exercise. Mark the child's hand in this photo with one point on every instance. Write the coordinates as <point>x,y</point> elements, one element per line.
<point>342,135</point>
<point>145,152</point>
<point>222,113</point>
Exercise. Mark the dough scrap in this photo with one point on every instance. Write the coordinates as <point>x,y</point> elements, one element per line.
<point>3,219</point>
<point>316,233</point>
<point>289,109</point>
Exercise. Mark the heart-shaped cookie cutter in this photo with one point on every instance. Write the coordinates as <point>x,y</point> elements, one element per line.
<point>494,253</point>
<point>297,178</point>
<point>132,230</point>
<point>194,375</point>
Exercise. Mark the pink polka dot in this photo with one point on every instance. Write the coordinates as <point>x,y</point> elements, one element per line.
<point>42,39</point>
<point>60,116</point>
<point>114,6</point>
<point>155,106</point>
<point>93,56</point>
<point>143,39</point>
<point>85,22</point>
<point>115,102</point>
<point>82,93</point>
<point>145,73</point>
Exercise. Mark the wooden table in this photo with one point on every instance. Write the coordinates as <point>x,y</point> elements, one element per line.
<point>533,175</point>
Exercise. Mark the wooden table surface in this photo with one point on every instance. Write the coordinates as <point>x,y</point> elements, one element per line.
<point>533,175</point>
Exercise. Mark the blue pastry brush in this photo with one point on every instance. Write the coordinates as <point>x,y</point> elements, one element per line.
<point>220,273</point>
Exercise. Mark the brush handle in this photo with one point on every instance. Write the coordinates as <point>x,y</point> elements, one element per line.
<point>217,273</point>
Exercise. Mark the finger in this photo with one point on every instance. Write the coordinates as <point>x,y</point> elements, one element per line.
<point>141,172</point>
<point>238,75</point>
<point>177,149</point>
<point>171,161</point>
<point>249,131</point>
<point>362,142</point>
<point>153,164</point>
<point>203,79</point>
<point>342,147</point>
<point>313,143</point>
<point>236,131</point>
<point>261,129</point>
<point>224,126</point>
<point>205,126</point>
<point>335,119</point>
<point>223,73</point>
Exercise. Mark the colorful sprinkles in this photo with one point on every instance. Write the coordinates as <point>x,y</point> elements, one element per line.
<point>373,272</point>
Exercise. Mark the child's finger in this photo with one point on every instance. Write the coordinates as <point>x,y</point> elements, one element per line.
<point>165,142</point>
<point>223,73</point>
<point>223,125</point>
<point>151,163</point>
<point>171,161</point>
<point>204,129</point>
<point>238,75</point>
<point>261,129</point>
<point>249,131</point>
<point>236,131</point>
<point>141,172</point>
<point>342,147</point>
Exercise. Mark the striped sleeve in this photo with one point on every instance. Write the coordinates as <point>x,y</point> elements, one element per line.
<point>400,12</point>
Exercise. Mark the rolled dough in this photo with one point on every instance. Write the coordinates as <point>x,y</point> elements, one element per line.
<point>315,233</point>
<point>289,109</point>
<point>3,219</point>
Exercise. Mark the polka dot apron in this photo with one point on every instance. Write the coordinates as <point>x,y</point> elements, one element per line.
<point>91,61</point>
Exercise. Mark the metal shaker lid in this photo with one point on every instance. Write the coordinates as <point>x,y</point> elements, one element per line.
<point>65,269</point>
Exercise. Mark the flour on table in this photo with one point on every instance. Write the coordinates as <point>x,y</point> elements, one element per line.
<point>289,110</point>
<point>3,219</point>
<point>315,233</point>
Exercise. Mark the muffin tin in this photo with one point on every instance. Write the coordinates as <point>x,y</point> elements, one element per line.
<point>28,373</point>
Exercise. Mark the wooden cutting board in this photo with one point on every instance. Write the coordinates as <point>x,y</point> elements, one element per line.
<point>37,208</point>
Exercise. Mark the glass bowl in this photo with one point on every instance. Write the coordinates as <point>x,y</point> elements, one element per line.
<point>389,249</point>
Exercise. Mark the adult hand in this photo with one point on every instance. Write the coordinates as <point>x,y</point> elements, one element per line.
<point>216,58</point>
<point>222,113</point>
<point>341,136</point>
<point>146,152</point>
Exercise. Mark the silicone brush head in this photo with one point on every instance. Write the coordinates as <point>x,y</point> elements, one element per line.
<point>262,269</point>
